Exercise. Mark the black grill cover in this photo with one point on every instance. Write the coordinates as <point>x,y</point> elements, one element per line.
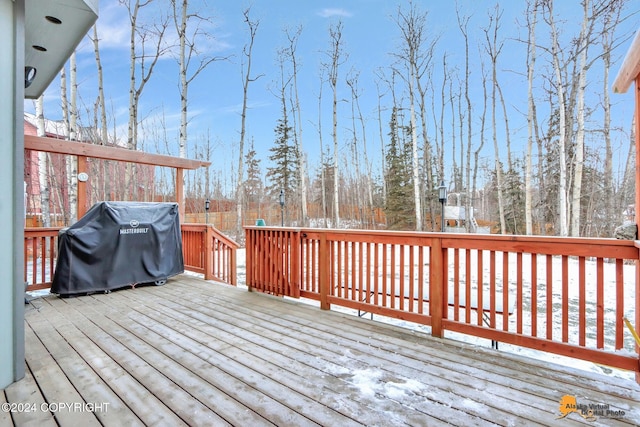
<point>117,244</point>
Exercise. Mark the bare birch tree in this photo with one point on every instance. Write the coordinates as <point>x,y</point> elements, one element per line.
<point>562,119</point>
<point>247,79</point>
<point>323,177</point>
<point>610,21</point>
<point>64,101</point>
<point>357,113</point>
<point>102,109</point>
<point>72,161</point>
<point>493,51</point>
<point>293,37</point>
<point>412,24</point>
<point>146,46</point>
<point>43,166</point>
<point>583,45</point>
<point>532,19</point>
<point>104,133</point>
<point>463,23</point>
<point>190,28</point>
<point>336,57</point>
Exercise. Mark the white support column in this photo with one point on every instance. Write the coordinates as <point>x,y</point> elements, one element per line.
<point>11,205</point>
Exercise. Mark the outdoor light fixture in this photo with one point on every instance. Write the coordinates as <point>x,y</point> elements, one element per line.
<point>282,208</point>
<point>29,76</point>
<point>207,205</point>
<point>442,193</point>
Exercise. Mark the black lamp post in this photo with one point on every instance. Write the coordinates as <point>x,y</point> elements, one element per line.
<point>207,206</point>
<point>282,208</point>
<point>442,193</point>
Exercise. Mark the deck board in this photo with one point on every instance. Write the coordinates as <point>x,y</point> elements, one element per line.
<point>199,353</point>
<point>54,384</point>
<point>83,377</point>
<point>5,416</point>
<point>334,351</point>
<point>27,396</point>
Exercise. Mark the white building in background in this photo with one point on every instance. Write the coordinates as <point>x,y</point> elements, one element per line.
<point>455,217</point>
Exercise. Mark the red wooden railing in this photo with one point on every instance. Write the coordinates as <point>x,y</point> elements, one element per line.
<point>560,295</point>
<point>40,254</point>
<point>205,250</point>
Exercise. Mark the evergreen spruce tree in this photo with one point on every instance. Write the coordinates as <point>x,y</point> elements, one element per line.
<point>316,190</point>
<point>283,175</point>
<point>514,206</point>
<point>253,187</point>
<point>399,206</point>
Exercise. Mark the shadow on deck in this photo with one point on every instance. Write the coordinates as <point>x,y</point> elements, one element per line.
<point>198,353</point>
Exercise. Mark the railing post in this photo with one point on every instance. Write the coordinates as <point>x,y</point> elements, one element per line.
<point>637,325</point>
<point>250,248</point>
<point>81,205</point>
<point>208,253</point>
<point>436,285</point>
<point>233,267</point>
<point>323,270</point>
<point>295,271</point>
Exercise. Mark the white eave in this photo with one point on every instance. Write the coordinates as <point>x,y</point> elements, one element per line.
<point>630,67</point>
<point>52,30</point>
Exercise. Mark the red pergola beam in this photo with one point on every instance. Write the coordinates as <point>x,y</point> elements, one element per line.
<point>61,146</point>
<point>83,151</point>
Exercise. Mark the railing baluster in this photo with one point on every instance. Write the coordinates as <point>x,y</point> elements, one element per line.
<point>620,304</point>
<point>412,268</point>
<point>421,280</point>
<point>376,272</point>
<point>519,296</point>
<point>549,290</point>
<point>445,282</point>
<point>393,276</point>
<point>600,303</point>
<point>534,295</point>
<point>467,280</point>
<point>492,290</point>
<point>401,275</point>
<point>582,301</point>
<point>565,298</point>
<point>456,285</point>
<point>384,274</point>
<point>480,290</point>
<point>505,286</point>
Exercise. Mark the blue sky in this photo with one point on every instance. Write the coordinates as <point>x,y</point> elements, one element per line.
<point>370,36</point>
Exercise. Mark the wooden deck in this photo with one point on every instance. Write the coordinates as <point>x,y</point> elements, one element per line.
<point>198,353</point>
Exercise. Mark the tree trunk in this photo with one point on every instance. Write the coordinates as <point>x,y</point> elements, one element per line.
<point>494,51</point>
<point>43,166</point>
<point>579,146</point>
<point>335,57</point>
<point>302,179</point>
<point>253,27</point>
<point>462,24</point>
<point>532,19</point>
<point>104,133</point>
<point>560,90</point>
<point>72,161</point>
<point>323,178</point>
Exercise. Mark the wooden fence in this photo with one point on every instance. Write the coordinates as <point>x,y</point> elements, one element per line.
<point>560,295</point>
